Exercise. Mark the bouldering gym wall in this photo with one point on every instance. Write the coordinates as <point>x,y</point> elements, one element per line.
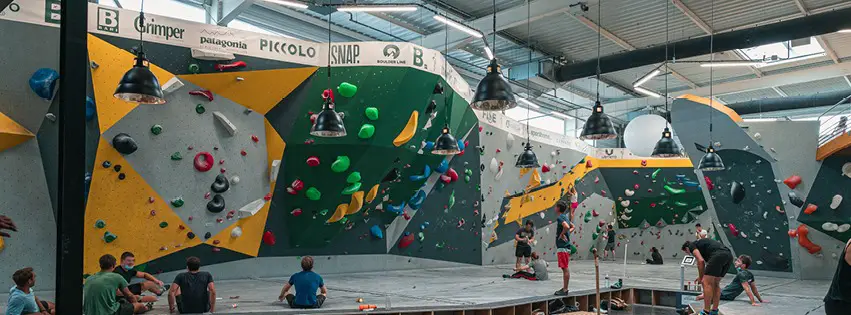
<point>228,169</point>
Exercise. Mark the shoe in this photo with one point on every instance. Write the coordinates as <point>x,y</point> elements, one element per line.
<point>713,312</point>
<point>704,312</point>
<point>164,289</point>
<point>562,292</point>
<point>506,276</point>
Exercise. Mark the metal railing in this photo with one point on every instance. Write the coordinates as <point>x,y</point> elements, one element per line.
<point>839,122</point>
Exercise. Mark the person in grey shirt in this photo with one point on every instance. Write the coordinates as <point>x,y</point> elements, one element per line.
<point>535,270</point>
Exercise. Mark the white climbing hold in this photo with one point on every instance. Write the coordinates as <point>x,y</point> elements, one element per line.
<point>509,141</point>
<point>629,193</point>
<point>747,148</point>
<point>718,144</point>
<point>846,169</point>
<point>498,175</point>
<point>236,232</point>
<point>765,215</point>
<point>542,215</point>
<point>494,166</point>
<point>229,126</point>
<point>273,172</point>
<point>553,153</point>
<point>50,116</point>
<point>380,206</point>
<point>234,180</point>
<point>757,136</point>
<point>625,217</point>
<point>172,85</point>
<point>843,228</point>
<point>743,235</point>
<point>829,226</point>
<point>212,55</point>
<point>837,199</point>
<point>627,210</point>
<point>759,262</point>
<point>251,208</point>
<point>625,203</point>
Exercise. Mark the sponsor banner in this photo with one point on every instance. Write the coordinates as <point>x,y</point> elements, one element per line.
<point>518,129</point>
<point>41,12</point>
<point>619,154</point>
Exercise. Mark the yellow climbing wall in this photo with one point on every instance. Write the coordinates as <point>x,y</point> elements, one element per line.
<point>260,90</point>
<point>12,133</point>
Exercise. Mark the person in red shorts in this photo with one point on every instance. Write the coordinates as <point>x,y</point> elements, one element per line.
<point>565,227</point>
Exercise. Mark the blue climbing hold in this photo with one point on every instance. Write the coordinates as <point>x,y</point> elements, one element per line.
<point>397,209</point>
<point>461,145</point>
<point>444,165</point>
<point>428,146</point>
<point>43,82</point>
<point>376,232</point>
<point>90,108</point>
<point>426,174</point>
<point>689,183</point>
<point>417,200</point>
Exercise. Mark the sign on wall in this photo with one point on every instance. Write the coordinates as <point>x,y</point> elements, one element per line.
<point>499,120</point>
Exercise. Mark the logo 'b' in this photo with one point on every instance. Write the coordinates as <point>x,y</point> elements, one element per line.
<point>107,20</point>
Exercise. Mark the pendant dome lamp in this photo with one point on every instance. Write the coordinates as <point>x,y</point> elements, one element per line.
<point>446,144</point>
<point>527,158</point>
<point>328,123</point>
<point>711,161</point>
<point>666,147</point>
<point>598,126</point>
<point>139,84</point>
<point>494,92</point>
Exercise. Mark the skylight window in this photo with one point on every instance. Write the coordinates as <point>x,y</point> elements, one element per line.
<point>785,52</point>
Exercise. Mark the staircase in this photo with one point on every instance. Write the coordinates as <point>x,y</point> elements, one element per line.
<point>835,130</point>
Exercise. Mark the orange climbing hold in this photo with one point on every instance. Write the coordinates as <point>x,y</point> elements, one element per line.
<point>370,196</point>
<point>805,242</point>
<point>339,213</point>
<point>356,204</point>
<point>793,181</point>
<point>810,209</point>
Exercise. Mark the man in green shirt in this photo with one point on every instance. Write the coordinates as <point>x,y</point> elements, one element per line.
<point>743,282</point>
<point>99,292</point>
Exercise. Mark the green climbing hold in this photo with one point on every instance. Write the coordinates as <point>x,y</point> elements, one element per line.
<point>341,164</point>
<point>366,131</point>
<point>674,191</point>
<point>100,224</point>
<point>466,178</point>
<point>421,236</point>
<point>351,189</point>
<point>573,249</point>
<point>452,199</point>
<point>177,202</point>
<point>680,204</point>
<point>156,129</point>
<point>323,212</point>
<point>313,194</point>
<point>595,235</point>
<point>344,220</point>
<point>655,173</point>
<point>587,216</point>
<point>354,177</point>
<point>371,113</point>
<point>176,156</point>
<point>194,68</point>
<point>163,224</point>
<point>599,229</point>
<point>347,89</point>
<point>469,172</point>
<point>200,108</point>
<point>109,237</point>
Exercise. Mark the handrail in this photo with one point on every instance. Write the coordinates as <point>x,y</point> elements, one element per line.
<point>838,124</point>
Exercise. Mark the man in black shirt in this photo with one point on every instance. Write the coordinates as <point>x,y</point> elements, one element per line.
<point>193,291</point>
<point>713,261</point>
<point>524,237</point>
<point>838,298</point>
<point>128,272</point>
<point>610,244</point>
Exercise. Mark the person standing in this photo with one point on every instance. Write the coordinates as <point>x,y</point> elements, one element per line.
<point>838,298</point>
<point>523,239</point>
<point>713,261</point>
<point>610,243</point>
<point>192,291</point>
<point>565,227</point>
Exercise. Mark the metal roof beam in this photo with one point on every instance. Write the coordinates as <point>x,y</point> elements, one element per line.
<point>228,10</point>
<point>821,41</point>
<point>692,16</point>
<point>779,91</point>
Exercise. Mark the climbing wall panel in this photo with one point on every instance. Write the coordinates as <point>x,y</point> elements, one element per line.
<point>832,180</point>
<point>259,90</point>
<point>647,195</point>
<point>12,133</point>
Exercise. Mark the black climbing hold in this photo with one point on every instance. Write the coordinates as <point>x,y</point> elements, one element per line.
<point>699,147</point>
<point>221,184</point>
<point>190,235</point>
<point>795,200</point>
<point>391,175</point>
<point>208,236</point>
<point>438,88</point>
<point>117,167</point>
<point>124,144</point>
<point>432,106</point>
<point>121,176</point>
<point>737,192</point>
<point>106,164</point>
<point>217,204</point>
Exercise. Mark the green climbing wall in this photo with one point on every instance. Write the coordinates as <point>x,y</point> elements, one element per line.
<point>652,203</point>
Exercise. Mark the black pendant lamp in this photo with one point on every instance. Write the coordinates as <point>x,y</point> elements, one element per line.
<point>328,123</point>
<point>711,161</point>
<point>666,147</point>
<point>139,84</point>
<point>494,92</point>
<point>598,126</point>
<point>446,144</point>
<point>527,158</point>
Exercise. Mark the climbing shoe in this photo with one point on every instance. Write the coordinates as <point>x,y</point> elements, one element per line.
<point>562,292</point>
<point>617,285</point>
<point>704,312</point>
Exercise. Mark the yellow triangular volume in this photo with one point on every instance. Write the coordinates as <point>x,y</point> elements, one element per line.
<point>12,133</point>
<point>259,90</point>
<point>113,62</point>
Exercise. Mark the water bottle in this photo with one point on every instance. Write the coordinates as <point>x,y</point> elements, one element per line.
<point>607,280</point>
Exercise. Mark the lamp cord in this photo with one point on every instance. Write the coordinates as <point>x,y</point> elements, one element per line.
<point>711,78</point>
<point>141,26</point>
<point>599,43</point>
<point>494,30</point>
<point>446,101</point>
<point>329,52</point>
<point>667,41</point>
<point>528,65</point>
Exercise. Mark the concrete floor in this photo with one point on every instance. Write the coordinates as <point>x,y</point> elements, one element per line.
<point>483,287</point>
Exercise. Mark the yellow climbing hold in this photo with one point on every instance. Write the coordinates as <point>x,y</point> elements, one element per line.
<point>370,196</point>
<point>534,180</point>
<point>408,132</point>
<point>2,245</point>
<point>356,204</point>
<point>339,213</point>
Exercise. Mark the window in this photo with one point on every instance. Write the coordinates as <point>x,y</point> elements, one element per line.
<point>785,52</point>
<point>169,8</point>
<point>538,119</point>
<point>245,26</point>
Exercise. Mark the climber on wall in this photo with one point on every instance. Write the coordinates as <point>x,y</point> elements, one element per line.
<point>610,243</point>
<point>565,227</point>
<point>6,224</point>
<point>838,298</point>
<point>523,239</point>
<point>574,201</point>
<point>713,261</point>
<point>99,292</point>
<point>306,283</point>
<point>128,272</point>
<point>743,282</point>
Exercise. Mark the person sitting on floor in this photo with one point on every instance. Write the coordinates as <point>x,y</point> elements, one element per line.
<point>151,284</point>
<point>193,291</point>
<point>99,292</point>
<point>21,297</point>
<point>743,282</point>
<point>656,257</point>
<point>306,283</point>
<point>535,270</point>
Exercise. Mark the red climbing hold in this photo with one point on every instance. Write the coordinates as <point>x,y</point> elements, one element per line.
<point>643,162</point>
<point>297,185</point>
<point>810,209</point>
<point>267,197</point>
<point>204,93</point>
<point>733,229</point>
<point>545,168</point>
<point>291,191</point>
<point>498,150</point>
<point>452,174</point>
<point>588,163</point>
<point>313,161</point>
<point>222,161</point>
<point>220,220</point>
<point>792,233</point>
<point>216,242</point>
<point>232,65</point>
<point>153,212</point>
<point>216,249</point>
<point>636,186</point>
<point>296,212</point>
<point>255,138</point>
<point>223,170</point>
<point>445,179</point>
<point>181,227</point>
<point>652,205</point>
<point>406,240</point>
<point>602,223</point>
<point>203,161</point>
<point>328,93</point>
<point>231,214</point>
<point>243,153</point>
<point>481,128</point>
<point>793,181</point>
<point>709,184</point>
<point>207,195</point>
<point>594,213</point>
<point>151,199</point>
<point>635,172</point>
<point>406,215</point>
<point>804,240</point>
<point>269,238</point>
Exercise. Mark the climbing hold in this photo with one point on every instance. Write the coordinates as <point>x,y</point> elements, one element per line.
<point>347,89</point>
<point>451,199</point>
<point>341,164</point>
<point>376,232</point>
<point>595,235</point>
<point>176,156</point>
<point>220,184</point>
<point>225,123</point>
<point>205,93</point>
<point>100,224</point>
<point>241,152</point>
<point>121,176</point>
<point>545,168</point>
<point>397,209</point>
<point>43,82</point>
<point>313,194</point>
<point>313,161</point>
<point>843,228</point>
<point>203,161</point>
<point>124,144</point>
<point>391,175</point>
<point>444,165</point>
<point>834,203</point>
<point>733,229</point>
<point>296,212</point>
<point>426,173</point>
<point>846,169</point>
<point>793,181</point>
<point>200,109</point>
<point>428,145</point>
<point>674,191</point>
<point>792,233</point>
<point>371,113</point>
<point>629,193</point>
<point>737,192</point>
<point>417,200</point>
<point>406,240</point>
<point>269,238</point>
<point>829,226</point>
<point>366,131</point>
<point>655,173</point>
<point>810,209</point>
<point>804,240</point>
<point>588,164</point>
<point>234,180</point>
<point>354,177</point>
<point>177,202</point>
<point>194,68</point>
<point>217,204</point>
<point>795,200</point>
<point>108,237</point>
<point>408,132</point>
<point>625,203</point>
<point>352,188</point>
<point>370,196</point>
<point>232,65</point>
<point>208,235</point>
<point>587,217</point>
<point>156,129</point>
<point>453,175</point>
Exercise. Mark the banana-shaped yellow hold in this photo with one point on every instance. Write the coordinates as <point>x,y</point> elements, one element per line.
<point>339,213</point>
<point>409,130</point>
<point>373,192</point>
<point>356,203</point>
